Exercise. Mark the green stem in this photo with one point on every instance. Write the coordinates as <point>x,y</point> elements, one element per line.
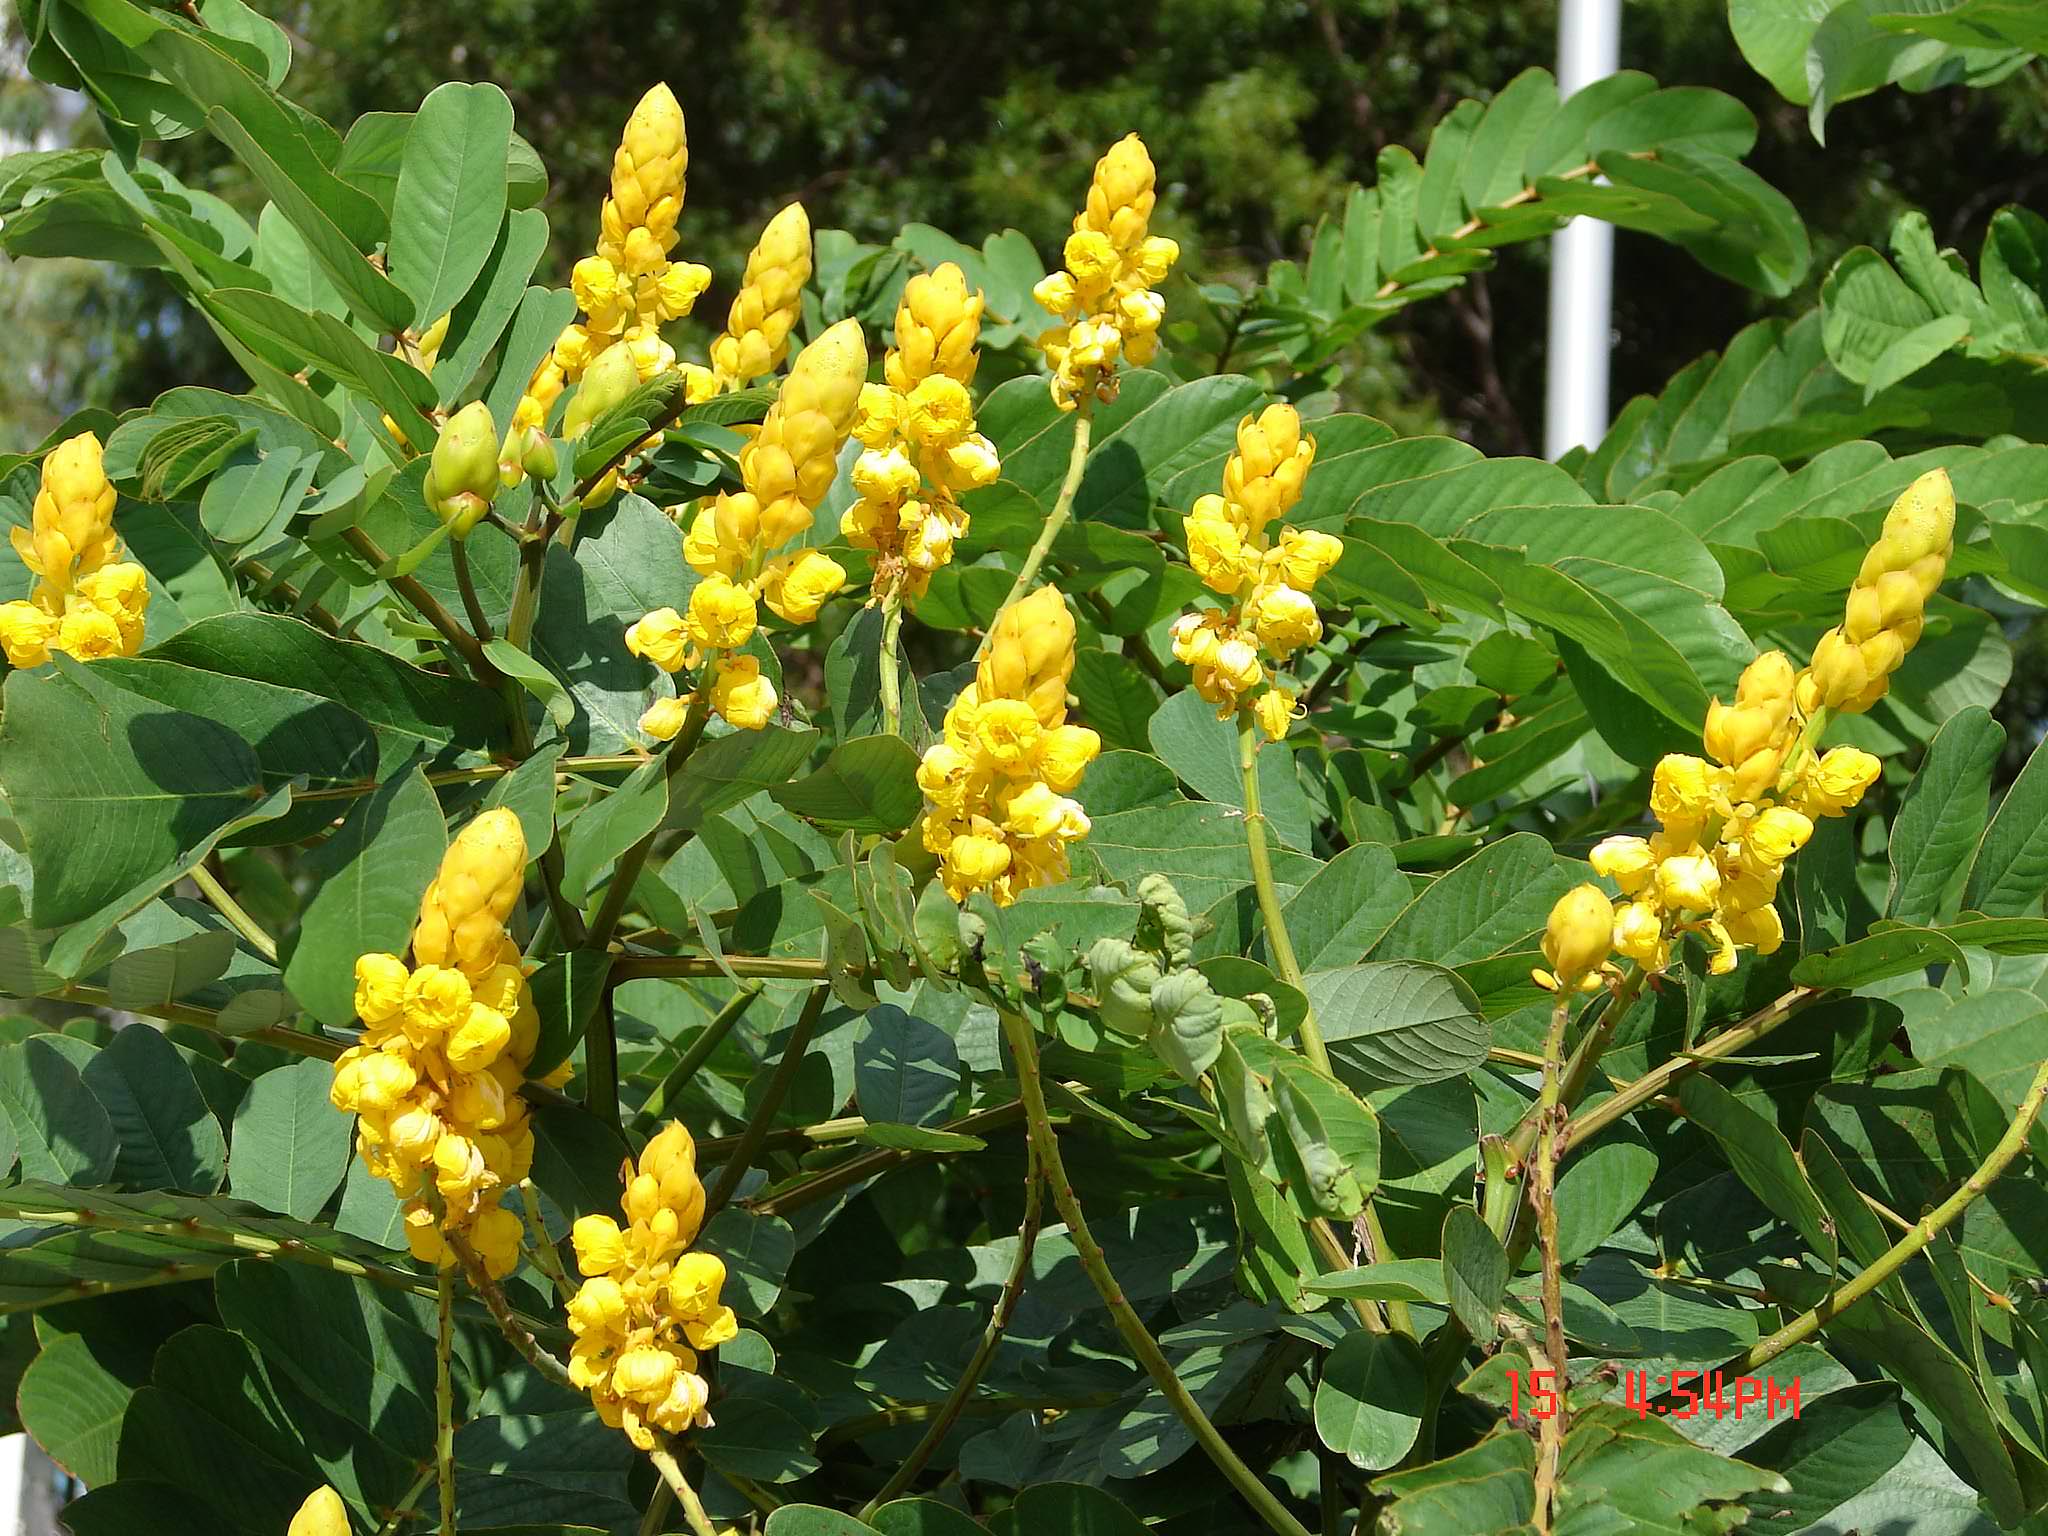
<point>709,1038</point>
<point>516,1333</point>
<point>892,693</point>
<point>544,1253</point>
<point>734,1168</point>
<point>984,1353</point>
<point>615,762</point>
<point>401,1512</point>
<point>1923,1232</point>
<point>1583,1127</point>
<point>680,967</point>
<point>460,640</point>
<point>1077,465</point>
<point>1543,1186</point>
<point>1264,1502</point>
<point>693,1509</point>
<point>856,1170</point>
<point>626,873</point>
<point>465,583</point>
<point>247,926</point>
<point>1580,1069</point>
<point>444,1398</point>
<point>657,1510</point>
<point>1277,941</point>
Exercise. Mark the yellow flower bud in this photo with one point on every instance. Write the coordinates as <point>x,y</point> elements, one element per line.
<point>1762,929</point>
<point>1031,655</point>
<point>1216,550</point>
<point>1265,474</point>
<point>1064,754</point>
<point>1284,620</point>
<point>740,695</point>
<point>694,1284</point>
<point>1835,784</point>
<point>659,637</point>
<point>663,719</point>
<point>1579,933</point>
<point>645,1374</point>
<point>973,863</point>
<point>938,324</point>
<point>600,1247</point>
<point>1777,834</point>
<point>1639,935</point>
<point>1306,556</point>
<point>323,1514</point>
<point>1682,791</point>
<point>479,1040</point>
<point>793,459</point>
<point>1627,861</point>
<point>495,1236</point>
<point>598,1306</point>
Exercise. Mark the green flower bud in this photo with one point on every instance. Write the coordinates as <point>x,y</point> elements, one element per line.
<point>462,478</point>
<point>1124,977</point>
<point>1187,1019</point>
<point>606,383</point>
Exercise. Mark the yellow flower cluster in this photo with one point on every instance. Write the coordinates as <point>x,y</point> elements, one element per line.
<point>434,1081</point>
<point>996,811</point>
<point>648,1304</point>
<point>918,429</point>
<point>629,287</point>
<point>786,469</point>
<point>1726,827</point>
<point>1232,547</point>
<point>1853,663</point>
<point>1105,298</point>
<point>764,311</point>
<point>86,601</point>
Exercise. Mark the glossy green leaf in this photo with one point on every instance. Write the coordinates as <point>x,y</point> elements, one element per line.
<point>450,195</point>
<point>290,1145</point>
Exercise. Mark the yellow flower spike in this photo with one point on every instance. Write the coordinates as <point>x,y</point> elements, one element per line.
<point>1751,735</point>
<point>794,458</point>
<point>1884,612</point>
<point>1031,655</point>
<point>1265,475</point>
<point>769,303</point>
<point>938,325</point>
<point>1579,935</point>
<point>462,916</point>
<point>323,1514</point>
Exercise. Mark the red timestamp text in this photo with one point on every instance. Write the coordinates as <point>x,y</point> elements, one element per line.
<point>1677,1394</point>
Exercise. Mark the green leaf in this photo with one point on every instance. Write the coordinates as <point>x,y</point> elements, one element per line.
<point>576,1159</point>
<point>905,1071</point>
<point>1836,1448</point>
<point>757,1251</point>
<point>292,338</point>
<point>1069,1509</point>
<point>812,1520</point>
<point>478,322</point>
<point>595,840</point>
<point>290,1145</point>
<point>450,196</point>
<point>73,1406</point>
<point>2010,869</point>
<point>1762,1158</point>
<point>1369,1403</point>
<point>1488,905</point>
<point>534,678</point>
<point>1332,1141</point>
<point>1116,699</point>
<point>1883,954</point>
<point>1398,1021</point>
<point>368,880</point>
<point>868,784</point>
<point>1416,1280</point>
<point>1942,815</point>
<point>1345,907</point>
<point>1203,751</point>
<point>168,1137</point>
<point>64,1135</point>
<point>1475,1271</point>
<point>923,1517</point>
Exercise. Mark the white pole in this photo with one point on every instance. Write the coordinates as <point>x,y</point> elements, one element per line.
<point>1581,255</point>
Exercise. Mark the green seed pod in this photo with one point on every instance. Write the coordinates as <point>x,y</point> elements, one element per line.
<point>1165,925</point>
<point>1124,978</point>
<point>1187,1023</point>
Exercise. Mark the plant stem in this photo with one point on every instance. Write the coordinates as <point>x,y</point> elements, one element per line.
<point>401,1512</point>
<point>709,1038</point>
<point>657,1509</point>
<point>472,606</point>
<point>460,640</point>
<point>1543,1186</point>
<point>517,1334</point>
<point>1264,1502</point>
<point>544,1254</point>
<point>1657,1080</point>
<point>892,695</point>
<point>1077,465</point>
<point>444,1398</point>
<point>615,762</point>
<point>626,873</point>
<point>734,1168</point>
<point>693,1509</point>
<point>1277,941</point>
<point>678,967</point>
<point>1923,1232</point>
<point>855,1170</point>
<point>247,926</point>
<point>1523,1138</point>
<point>985,1352</point>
